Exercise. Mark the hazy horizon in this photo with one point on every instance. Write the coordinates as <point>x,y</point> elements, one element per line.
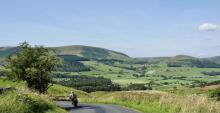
<point>153,28</point>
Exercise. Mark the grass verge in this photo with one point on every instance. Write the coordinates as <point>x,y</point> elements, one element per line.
<point>24,100</point>
<point>157,102</point>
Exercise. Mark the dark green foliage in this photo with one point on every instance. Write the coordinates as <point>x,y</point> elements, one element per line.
<point>3,73</point>
<point>217,82</point>
<point>213,73</point>
<point>33,65</point>
<point>110,62</point>
<point>88,84</point>
<point>174,64</point>
<point>136,75</point>
<point>137,87</point>
<point>71,63</point>
<point>193,62</point>
<point>205,64</point>
<point>121,72</point>
<point>72,67</point>
<point>216,94</point>
<point>198,83</point>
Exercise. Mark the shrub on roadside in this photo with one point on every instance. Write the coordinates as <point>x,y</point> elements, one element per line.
<point>33,65</point>
<point>216,94</point>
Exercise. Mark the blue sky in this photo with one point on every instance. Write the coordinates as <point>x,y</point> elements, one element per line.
<point>139,28</point>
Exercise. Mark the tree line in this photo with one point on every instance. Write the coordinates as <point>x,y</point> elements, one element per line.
<point>88,83</point>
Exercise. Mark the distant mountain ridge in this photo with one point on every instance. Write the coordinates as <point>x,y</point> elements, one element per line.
<point>102,53</point>
<point>214,59</point>
<point>79,50</point>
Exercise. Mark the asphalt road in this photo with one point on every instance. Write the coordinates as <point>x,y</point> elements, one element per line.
<point>94,108</point>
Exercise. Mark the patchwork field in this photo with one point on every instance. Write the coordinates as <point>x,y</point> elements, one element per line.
<point>159,74</point>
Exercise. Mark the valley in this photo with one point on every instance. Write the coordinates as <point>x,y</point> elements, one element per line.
<point>101,76</point>
<point>161,72</point>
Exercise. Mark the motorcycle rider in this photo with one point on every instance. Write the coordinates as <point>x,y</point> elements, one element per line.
<point>73,98</point>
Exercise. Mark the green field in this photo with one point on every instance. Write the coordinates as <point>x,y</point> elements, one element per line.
<point>163,72</point>
<point>159,73</point>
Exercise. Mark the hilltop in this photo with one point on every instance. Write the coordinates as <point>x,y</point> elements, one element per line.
<point>89,52</point>
<point>78,50</point>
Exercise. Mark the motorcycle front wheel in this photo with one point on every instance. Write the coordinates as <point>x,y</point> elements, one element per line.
<point>75,104</point>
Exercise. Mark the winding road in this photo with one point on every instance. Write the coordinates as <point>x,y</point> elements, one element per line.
<point>94,108</point>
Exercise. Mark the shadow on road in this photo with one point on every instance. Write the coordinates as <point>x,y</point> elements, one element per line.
<point>81,107</point>
<point>93,108</point>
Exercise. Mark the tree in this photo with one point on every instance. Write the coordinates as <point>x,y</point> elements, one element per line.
<point>33,65</point>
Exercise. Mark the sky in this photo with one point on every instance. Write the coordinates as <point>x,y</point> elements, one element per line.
<point>138,28</point>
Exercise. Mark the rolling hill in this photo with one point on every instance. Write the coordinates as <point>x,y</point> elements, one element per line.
<point>79,50</point>
<point>214,59</point>
<point>89,52</point>
<point>5,51</point>
<point>162,72</point>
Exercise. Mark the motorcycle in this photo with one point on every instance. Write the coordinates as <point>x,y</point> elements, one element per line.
<point>75,102</point>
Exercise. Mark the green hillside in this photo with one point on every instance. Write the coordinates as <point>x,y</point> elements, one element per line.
<point>214,59</point>
<point>83,51</point>
<point>5,51</point>
<point>89,52</point>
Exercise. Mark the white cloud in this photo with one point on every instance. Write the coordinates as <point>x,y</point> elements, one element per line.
<point>209,27</point>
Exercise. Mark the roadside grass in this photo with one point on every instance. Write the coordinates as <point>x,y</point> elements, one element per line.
<point>4,82</point>
<point>157,102</point>
<point>25,100</point>
<point>184,91</point>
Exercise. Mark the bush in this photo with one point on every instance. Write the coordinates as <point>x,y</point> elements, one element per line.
<point>216,94</point>
<point>33,65</point>
<point>3,73</point>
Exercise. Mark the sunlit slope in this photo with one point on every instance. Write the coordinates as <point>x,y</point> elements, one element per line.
<point>79,50</point>
<point>89,52</point>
